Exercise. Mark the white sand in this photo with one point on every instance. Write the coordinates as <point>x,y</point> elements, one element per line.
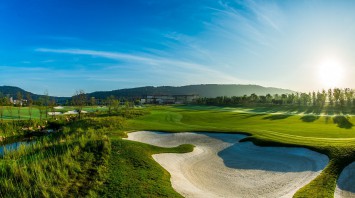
<point>219,166</point>
<point>346,182</point>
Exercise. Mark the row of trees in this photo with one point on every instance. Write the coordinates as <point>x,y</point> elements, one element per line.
<point>46,104</point>
<point>43,104</point>
<point>332,97</point>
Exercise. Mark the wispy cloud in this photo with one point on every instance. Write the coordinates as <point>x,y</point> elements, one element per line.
<point>267,13</point>
<point>247,22</point>
<point>147,60</point>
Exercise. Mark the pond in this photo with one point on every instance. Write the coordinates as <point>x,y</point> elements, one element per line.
<point>13,146</point>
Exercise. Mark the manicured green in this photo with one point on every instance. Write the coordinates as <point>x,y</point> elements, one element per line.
<point>177,119</point>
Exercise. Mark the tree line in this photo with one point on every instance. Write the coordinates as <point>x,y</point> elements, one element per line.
<point>46,104</point>
<point>332,97</point>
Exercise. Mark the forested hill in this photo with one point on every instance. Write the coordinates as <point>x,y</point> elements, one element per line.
<point>206,90</point>
<point>12,92</point>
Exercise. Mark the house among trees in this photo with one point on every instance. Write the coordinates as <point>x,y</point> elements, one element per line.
<point>170,99</point>
<point>20,102</point>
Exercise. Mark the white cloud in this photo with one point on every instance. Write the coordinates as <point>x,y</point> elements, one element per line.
<point>160,63</point>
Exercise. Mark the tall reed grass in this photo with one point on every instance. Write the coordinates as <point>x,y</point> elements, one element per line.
<point>66,163</point>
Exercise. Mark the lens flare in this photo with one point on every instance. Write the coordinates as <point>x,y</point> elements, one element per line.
<point>330,73</point>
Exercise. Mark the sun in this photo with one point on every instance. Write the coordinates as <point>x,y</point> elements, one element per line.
<point>330,73</point>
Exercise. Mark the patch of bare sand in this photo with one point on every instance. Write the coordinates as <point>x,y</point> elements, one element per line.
<point>346,182</point>
<point>220,166</point>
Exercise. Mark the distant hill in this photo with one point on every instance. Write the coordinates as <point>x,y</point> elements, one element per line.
<point>12,92</point>
<point>205,90</point>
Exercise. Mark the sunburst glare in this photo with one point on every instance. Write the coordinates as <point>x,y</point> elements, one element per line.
<point>331,72</point>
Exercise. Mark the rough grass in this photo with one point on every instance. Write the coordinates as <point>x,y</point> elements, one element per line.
<point>134,173</point>
<point>56,166</point>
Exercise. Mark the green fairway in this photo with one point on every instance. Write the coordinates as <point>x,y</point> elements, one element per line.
<point>177,119</point>
<point>333,135</point>
<point>12,113</point>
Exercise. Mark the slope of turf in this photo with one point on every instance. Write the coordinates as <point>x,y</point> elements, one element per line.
<point>134,173</point>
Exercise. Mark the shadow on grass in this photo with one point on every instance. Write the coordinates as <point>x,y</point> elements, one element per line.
<point>309,118</point>
<point>343,184</point>
<point>248,156</point>
<point>253,115</point>
<point>277,117</point>
<point>342,122</point>
<point>272,109</point>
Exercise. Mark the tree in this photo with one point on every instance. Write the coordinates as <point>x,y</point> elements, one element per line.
<point>304,98</point>
<point>2,105</point>
<point>109,103</point>
<point>324,97</point>
<point>284,98</point>
<point>330,97</point>
<point>253,98</point>
<point>29,104</point>
<point>79,101</point>
<point>19,103</point>
<point>41,107</point>
<point>46,102</point>
<point>116,105</point>
<point>314,98</point>
<point>127,107</point>
<point>9,107</point>
<point>319,99</point>
<point>51,106</point>
<point>262,99</point>
<point>268,98</point>
<point>291,98</point>
<point>336,94</point>
<point>92,102</point>
<point>341,98</point>
<point>298,99</point>
<point>349,94</point>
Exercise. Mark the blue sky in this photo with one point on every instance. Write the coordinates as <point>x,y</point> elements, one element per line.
<point>63,46</point>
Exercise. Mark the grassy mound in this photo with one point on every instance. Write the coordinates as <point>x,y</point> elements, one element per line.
<point>134,173</point>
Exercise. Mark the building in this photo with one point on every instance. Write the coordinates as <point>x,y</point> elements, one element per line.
<point>185,99</point>
<point>160,99</point>
<point>170,99</point>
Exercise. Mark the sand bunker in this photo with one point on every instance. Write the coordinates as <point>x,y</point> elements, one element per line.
<point>220,166</point>
<point>346,182</point>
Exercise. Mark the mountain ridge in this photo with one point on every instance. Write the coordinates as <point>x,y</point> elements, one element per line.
<point>203,90</point>
<point>12,91</point>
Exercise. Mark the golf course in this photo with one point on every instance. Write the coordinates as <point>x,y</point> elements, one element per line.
<point>172,99</point>
<point>178,150</point>
<point>268,128</point>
